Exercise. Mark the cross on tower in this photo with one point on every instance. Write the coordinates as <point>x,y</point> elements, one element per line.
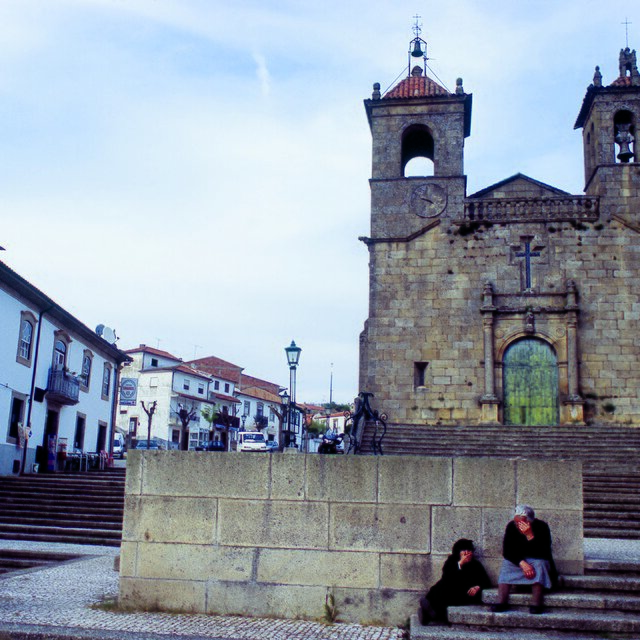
<point>527,254</point>
<point>626,24</point>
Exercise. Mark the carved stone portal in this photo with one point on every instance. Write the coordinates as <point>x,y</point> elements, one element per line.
<point>549,317</point>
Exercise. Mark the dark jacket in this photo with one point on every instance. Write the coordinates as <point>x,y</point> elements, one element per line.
<point>516,547</point>
<point>451,589</point>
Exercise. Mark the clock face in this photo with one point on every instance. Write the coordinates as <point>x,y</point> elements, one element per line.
<point>428,200</point>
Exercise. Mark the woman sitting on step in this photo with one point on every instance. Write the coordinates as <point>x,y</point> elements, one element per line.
<point>463,578</point>
<point>527,559</point>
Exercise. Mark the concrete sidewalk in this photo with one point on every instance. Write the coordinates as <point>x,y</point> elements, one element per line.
<point>59,603</point>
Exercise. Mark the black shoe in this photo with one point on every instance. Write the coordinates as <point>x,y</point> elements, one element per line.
<point>536,609</point>
<point>424,616</point>
<point>501,607</point>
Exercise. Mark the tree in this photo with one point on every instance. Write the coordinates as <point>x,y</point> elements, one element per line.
<point>315,427</point>
<point>210,415</point>
<point>150,411</point>
<point>260,422</point>
<point>186,415</point>
<point>334,407</point>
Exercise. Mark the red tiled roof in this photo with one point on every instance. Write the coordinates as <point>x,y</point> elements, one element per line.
<point>224,398</point>
<point>260,394</point>
<point>143,348</point>
<point>416,87</point>
<point>219,368</point>
<point>190,396</point>
<point>179,367</point>
<point>185,368</point>
<point>250,381</point>
<point>622,81</point>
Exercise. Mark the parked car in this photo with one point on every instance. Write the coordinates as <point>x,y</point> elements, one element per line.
<point>251,441</point>
<point>214,445</point>
<point>142,444</point>
<point>272,446</point>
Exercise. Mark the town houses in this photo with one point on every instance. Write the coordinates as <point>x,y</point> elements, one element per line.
<point>66,391</point>
<point>58,382</point>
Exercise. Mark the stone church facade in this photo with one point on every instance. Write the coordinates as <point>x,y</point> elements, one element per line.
<point>518,304</point>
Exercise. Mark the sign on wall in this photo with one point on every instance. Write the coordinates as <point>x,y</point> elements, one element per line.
<point>128,391</point>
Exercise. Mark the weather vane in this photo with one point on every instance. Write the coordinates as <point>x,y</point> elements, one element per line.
<point>417,27</point>
<point>418,46</point>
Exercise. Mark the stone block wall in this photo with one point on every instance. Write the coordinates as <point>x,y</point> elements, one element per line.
<point>425,306</point>
<point>272,535</point>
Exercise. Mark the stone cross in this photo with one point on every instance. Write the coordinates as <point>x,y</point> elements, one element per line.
<point>527,254</point>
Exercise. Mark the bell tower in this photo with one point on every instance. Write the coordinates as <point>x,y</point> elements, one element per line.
<point>417,182</point>
<point>609,119</point>
<point>417,122</point>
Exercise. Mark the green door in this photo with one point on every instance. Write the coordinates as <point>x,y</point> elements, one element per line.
<point>530,375</point>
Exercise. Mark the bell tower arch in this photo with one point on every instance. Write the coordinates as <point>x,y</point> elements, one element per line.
<point>418,119</point>
<point>609,118</point>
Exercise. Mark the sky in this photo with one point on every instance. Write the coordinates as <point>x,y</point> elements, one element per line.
<point>194,173</point>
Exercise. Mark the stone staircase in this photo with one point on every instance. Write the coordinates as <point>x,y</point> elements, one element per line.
<point>603,603</point>
<point>610,456</point>
<point>80,508</point>
<point>12,560</point>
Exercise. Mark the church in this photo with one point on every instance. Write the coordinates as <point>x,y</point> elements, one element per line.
<point>518,304</point>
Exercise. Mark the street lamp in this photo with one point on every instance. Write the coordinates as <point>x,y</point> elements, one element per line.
<point>283,440</point>
<point>293,357</point>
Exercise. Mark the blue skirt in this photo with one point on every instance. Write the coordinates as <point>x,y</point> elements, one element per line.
<point>512,574</point>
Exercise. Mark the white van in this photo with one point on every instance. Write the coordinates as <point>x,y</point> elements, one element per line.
<point>251,441</point>
<point>118,446</point>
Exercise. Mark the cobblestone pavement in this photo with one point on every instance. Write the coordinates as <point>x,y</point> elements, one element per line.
<point>65,596</point>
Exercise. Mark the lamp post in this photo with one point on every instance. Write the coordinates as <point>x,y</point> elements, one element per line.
<point>293,357</point>
<point>283,440</point>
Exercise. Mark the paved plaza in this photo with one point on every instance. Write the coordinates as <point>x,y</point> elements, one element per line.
<point>67,601</point>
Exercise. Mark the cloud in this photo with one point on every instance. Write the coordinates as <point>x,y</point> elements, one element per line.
<point>197,170</point>
<point>262,73</point>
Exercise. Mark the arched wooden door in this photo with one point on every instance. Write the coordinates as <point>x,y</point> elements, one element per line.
<point>530,382</point>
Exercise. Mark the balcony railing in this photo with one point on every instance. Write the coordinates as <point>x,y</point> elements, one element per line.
<point>62,387</point>
<point>553,209</point>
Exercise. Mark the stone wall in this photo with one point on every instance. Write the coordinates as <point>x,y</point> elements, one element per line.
<point>271,535</point>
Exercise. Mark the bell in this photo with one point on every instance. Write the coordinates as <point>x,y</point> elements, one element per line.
<point>417,50</point>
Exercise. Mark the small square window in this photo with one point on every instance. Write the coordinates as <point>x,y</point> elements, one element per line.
<point>186,385</point>
<point>154,362</point>
<point>200,388</point>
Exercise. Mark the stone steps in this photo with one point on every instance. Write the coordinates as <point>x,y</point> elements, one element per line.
<point>442,632</point>
<point>603,604</point>
<point>75,508</point>
<point>556,619</point>
<point>610,457</point>
<point>18,560</point>
<point>67,521</point>
<point>627,584</point>
<point>61,534</point>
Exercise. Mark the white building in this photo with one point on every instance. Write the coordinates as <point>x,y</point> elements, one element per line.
<point>260,405</point>
<point>252,403</point>
<point>57,380</point>
<point>175,392</point>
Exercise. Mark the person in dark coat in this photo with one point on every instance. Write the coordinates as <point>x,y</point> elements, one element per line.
<point>528,560</point>
<point>463,578</point>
